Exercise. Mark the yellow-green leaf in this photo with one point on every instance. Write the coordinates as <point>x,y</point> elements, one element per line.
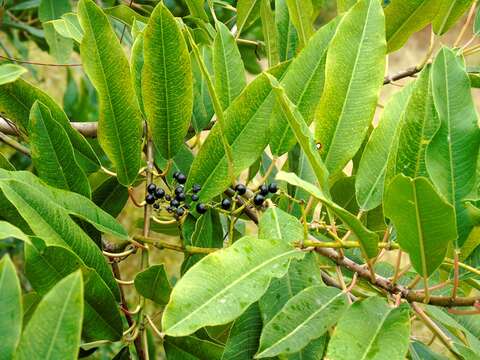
<point>449,12</point>
<point>301,13</point>
<point>10,72</point>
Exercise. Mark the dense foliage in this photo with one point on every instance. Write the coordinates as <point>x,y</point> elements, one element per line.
<point>287,213</point>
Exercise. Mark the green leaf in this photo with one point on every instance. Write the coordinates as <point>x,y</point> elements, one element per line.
<point>286,32</point>
<point>8,230</point>
<point>246,129</point>
<point>269,33</point>
<point>424,221</point>
<point>242,342</point>
<point>69,27</point>
<point>104,61</point>
<point>305,317</point>
<point>53,9</point>
<point>227,66</point>
<point>11,305</point>
<point>277,224</point>
<point>224,284</point>
<point>60,47</point>
<point>54,330</point>
<point>153,284</point>
<point>5,163</point>
<point>371,329</point>
<point>403,18</point>
<point>452,154</point>
<point>10,72</point>
<point>368,239</point>
<point>16,100</point>
<point>196,8</point>
<point>111,196</point>
<point>301,13</point>
<point>167,85</point>
<point>46,266</point>
<point>303,85</point>
<point>476,24</point>
<point>449,12</point>
<point>30,302</point>
<point>52,153</point>
<point>191,348</point>
<point>371,173</point>
<point>202,102</point>
<point>125,14</point>
<point>357,51</point>
<point>344,5</point>
<point>136,67</point>
<point>248,12</point>
<point>420,351</point>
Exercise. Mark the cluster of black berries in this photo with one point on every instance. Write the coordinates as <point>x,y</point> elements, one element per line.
<point>260,195</point>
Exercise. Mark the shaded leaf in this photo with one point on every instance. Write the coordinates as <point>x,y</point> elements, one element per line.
<point>196,8</point>
<point>449,12</point>
<point>5,163</point>
<point>269,32</point>
<point>301,14</point>
<point>191,348</point>
<point>202,102</point>
<point>125,14</point>
<point>248,12</point>
<point>153,284</point>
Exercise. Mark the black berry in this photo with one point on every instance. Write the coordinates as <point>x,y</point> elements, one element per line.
<point>180,197</point>
<point>201,208</point>
<point>181,178</point>
<point>159,193</point>
<point>168,197</point>
<point>186,206</point>
<point>240,189</point>
<point>195,197</point>
<point>149,199</point>
<point>174,203</point>
<point>196,188</point>
<point>263,189</point>
<point>169,209</point>
<point>273,188</point>
<point>179,189</point>
<point>180,211</point>
<point>175,174</point>
<point>258,199</point>
<point>156,206</point>
<point>151,188</point>
<point>226,203</point>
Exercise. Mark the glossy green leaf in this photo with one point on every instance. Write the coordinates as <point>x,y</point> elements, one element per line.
<point>303,83</point>
<point>54,330</point>
<point>246,130</point>
<point>16,100</point>
<point>269,33</point>
<point>8,230</point>
<point>452,154</point>
<point>11,305</point>
<point>248,12</point>
<point>357,51</point>
<point>52,153</point>
<point>227,66</point>
<point>69,27</point>
<point>287,34</point>
<point>242,342</point>
<point>153,284</point>
<point>167,85</point>
<point>305,317</point>
<point>125,14</point>
<point>202,102</point>
<point>371,329</point>
<point>191,348</point>
<point>403,18</point>
<point>120,123</point>
<point>225,283</point>
<point>301,14</point>
<point>449,12</point>
<point>368,239</point>
<point>371,173</point>
<point>46,266</point>
<point>425,223</point>
<point>10,72</point>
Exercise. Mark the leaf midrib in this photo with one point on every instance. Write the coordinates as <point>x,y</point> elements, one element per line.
<point>404,23</point>
<point>374,337</point>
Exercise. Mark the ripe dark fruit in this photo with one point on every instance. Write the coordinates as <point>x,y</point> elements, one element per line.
<point>151,188</point>
<point>226,203</point>
<point>168,197</point>
<point>159,193</point>
<point>174,203</point>
<point>196,188</point>
<point>180,197</point>
<point>149,199</point>
<point>240,189</point>
<point>273,188</point>
<point>156,206</point>
<point>258,199</point>
<point>169,209</point>
<point>179,189</point>
<point>181,178</point>
<point>195,197</point>
<point>263,189</point>
<point>175,174</point>
<point>201,208</point>
<point>180,211</point>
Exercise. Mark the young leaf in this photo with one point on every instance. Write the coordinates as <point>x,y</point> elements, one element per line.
<point>242,342</point>
<point>46,266</point>
<point>222,285</point>
<point>370,178</point>
<point>269,33</point>
<point>167,85</point>
<point>248,12</point>
<point>452,154</point>
<point>305,317</point>
<point>227,66</point>
<point>54,330</point>
<point>286,32</point>
<point>10,72</point>
<point>52,153</point>
<point>449,11</point>
<point>301,13</point>
<point>153,284</point>
<point>368,239</point>
<point>357,51</point>
<point>303,85</point>
<point>371,329</point>
<point>16,100</point>
<point>120,122</point>
<point>403,18</point>
<point>425,223</point>
<point>11,305</point>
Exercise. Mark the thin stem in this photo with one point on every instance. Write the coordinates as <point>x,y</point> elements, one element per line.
<point>455,274</point>
<point>14,144</point>
<point>397,267</point>
<point>465,26</point>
